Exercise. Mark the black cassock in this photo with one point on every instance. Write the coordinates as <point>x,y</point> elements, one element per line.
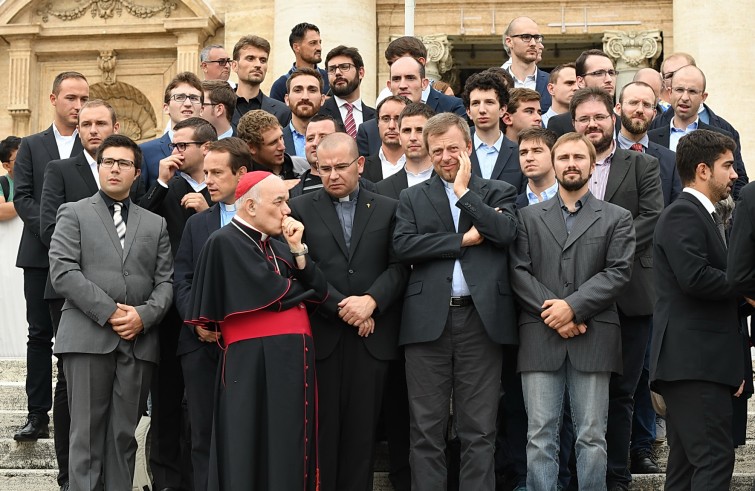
<point>265,428</point>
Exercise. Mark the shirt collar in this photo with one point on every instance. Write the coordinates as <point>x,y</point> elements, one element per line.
<point>58,136</point>
<point>381,155</point>
<point>357,104</point>
<point>263,237</point>
<point>547,193</point>
<point>529,77</point>
<point>420,173</point>
<point>258,98</point>
<point>353,196</point>
<point>701,198</point>
<point>228,208</point>
<point>89,158</point>
<point>109,201</point>
<point>690,127</point>
<point>196,186</point>
<point>581,202</point>
<point>497,145</point>
<point>293,130</point>
<point>625,142</point>
<point>227,134</point>
<point>609,157</point>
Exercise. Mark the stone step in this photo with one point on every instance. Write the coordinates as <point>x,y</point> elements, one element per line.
<point>28,480</point>
<point>654,482</point>
<point>13,396</point>
<point>12,420</point>
<point>14,369</point>
<point>27,455</point>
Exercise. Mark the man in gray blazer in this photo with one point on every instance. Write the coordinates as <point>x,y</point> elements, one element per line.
<point>573,255</point>
<point>111,260</point>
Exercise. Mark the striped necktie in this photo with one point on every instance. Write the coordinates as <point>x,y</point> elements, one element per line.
<point>120,225</point>
<point>351,125</point>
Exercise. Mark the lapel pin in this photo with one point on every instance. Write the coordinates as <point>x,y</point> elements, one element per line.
<point>368,205</point>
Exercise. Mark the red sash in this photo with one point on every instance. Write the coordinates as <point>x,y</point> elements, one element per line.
<point>265,323</point>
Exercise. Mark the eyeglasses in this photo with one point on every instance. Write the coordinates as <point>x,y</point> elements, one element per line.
<point>210,104</point>
<point>181,146</point>
<point>344,67</point>
<point>387,119</point>
<point>221,61</point>
<point>122,163</point>
<point>601,73</point>
<point>181,98</point>
<point>528,37</point>
<point>681,90</point>
<point>599,118</point>
<point>327,169</point>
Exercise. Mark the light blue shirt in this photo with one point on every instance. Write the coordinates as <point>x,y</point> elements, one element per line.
<point>227,134</point>
<point>677,133</point>
<point>226,213</point>
<point>459,286</point>
<point>299,141</point>
<point>703,114</point>
<point>534,199</point>
<point>487,155</point>
<point>626,143</point>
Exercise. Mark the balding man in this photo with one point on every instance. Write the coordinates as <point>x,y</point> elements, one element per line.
<point>350,231</point>
<point>654,79</point>
<point>523,43</point>
<point>215,63</point>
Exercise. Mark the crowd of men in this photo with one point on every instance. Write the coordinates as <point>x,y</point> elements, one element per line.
<point>283,280</point>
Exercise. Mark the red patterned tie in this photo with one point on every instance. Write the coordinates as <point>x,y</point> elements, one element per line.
<point>351,125</point>
<point>637,147</point>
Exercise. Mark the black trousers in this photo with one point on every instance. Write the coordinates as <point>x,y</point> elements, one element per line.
<point>61,416</point>
<point>39,345</point>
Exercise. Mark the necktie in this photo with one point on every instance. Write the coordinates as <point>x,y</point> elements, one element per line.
<point>720,226</point>
<point>351,125</point>
<point>120,225</point>
<point>637,147</point>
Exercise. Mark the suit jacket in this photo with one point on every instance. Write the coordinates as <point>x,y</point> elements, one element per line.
<point>373,168</point>
<point>671,183</point>
<point>695,322</point>
<point>368,138</point>
<point>442,103</point>
<point>66,181</point>
<point>634,183</point>
<point>166,202</point>
<point>740,269</point>
<point>198,229</point>
<point>392,186</point>
<point>662,136</point>
<point>273,106</point>
<point>368,266</point>
<point>330,108</point>
<point>425,237</point>
<point>33,155</point>
<point>288,140</point>
<point>561,124</point>
<point>506,167</point>
<point>541,86</point>
<point>91,270</point>
<point>587,268</point>
<point>153,152</point>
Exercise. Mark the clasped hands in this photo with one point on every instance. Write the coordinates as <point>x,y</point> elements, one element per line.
<point>357,311</point>
<point>126,321</point>
<point>559,316</point>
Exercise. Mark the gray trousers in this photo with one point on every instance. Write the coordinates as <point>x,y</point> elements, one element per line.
<point>107,394</point>
<point>463,360</point>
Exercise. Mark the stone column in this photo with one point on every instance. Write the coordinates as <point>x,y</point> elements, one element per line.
<point>20,54</point>
<point>724,56</point>
<point>631,50</point>
<point>190,35</point>
<point>357,29</point>
<point>439,59</point>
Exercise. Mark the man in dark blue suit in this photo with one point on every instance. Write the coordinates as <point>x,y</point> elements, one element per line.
<point>199,349</point>
<point>183,99</point>
<point>523,42</point>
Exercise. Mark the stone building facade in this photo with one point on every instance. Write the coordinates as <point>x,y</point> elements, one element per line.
<point>130,49</point>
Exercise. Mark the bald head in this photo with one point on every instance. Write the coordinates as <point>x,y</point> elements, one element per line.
<point>651,77</point>
<point>514,44</point>
<point>687,72</point>
<point>338,140</point>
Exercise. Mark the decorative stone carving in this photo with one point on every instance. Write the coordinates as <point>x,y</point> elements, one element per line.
<point>106,62</point>
<point>439,59</point>
<point>135,114</point>
<point>635,49</point>
<point>106,9</point>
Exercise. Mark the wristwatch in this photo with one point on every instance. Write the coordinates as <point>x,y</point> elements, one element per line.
<point>303,252</point>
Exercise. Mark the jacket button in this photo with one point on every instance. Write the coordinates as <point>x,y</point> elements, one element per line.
<point>351,271</point>
<point>125,273</point>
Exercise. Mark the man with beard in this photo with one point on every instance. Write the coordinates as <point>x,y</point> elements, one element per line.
<point>250,56</point>
<point>307,47</point>
<point>696,360</point>
<point>390,158</point>
<point>303,98</point>
<point>636,108</point>
<point>345,72</point>
<point>523,43</point>
<point>573,257</point>
<point>631,180</point>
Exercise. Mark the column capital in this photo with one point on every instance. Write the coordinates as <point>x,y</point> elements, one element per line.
<point>633,49</point>
<point>438,51</point>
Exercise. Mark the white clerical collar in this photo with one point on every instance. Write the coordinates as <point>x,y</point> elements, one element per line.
<point>227,207</point>
<point>247,224</point>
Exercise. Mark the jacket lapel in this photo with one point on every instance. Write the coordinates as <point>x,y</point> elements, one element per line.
<point>48,141</point>
<point>82,166</point>
<point>507,149</point>
<point>619,169</point>
<point>133,224</point>
<point>553,218</point>
<point>107,220</point>
<point>436,193</point>
<point>327,213</point>
<point>583,220</point>
<point>365,207</point>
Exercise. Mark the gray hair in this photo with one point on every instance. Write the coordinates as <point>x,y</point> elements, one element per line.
<point>204,55</point>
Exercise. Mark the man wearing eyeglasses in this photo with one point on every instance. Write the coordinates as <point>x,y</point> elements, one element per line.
<point>111,260</point>
<point>523,43</point>
<point>179,193</point>
<point>183,99</point>
<point>215,63</point>
<point>345,72</point>
<point>349,230</point>
<point>218,107</point>
<point>631,180</point>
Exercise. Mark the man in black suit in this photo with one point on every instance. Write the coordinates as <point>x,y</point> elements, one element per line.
<point>494,155</point>
<point>740,269</point>
<point>523,43</point>
<point>631,180</point>
<point>199,349</point>
<point>179,193</point>
<point>356,329</point>
<point>454,229</point>
<point>687,93</point>
<point>594,69</point>
<point>389,158</point>
<point>218,107</point>
<point>303,97</point>
<point>345,72</point>
<point>696,355</point>
<point>250,56</point>
<point>70,91</point>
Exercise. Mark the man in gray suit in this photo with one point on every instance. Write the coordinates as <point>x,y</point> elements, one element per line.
<point>573,255</point>
<point>111,260</point>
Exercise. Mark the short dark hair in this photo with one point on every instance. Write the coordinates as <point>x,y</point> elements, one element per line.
<point>579,65</point>
<point>251,40</point>
<point>519,95</point>
<point>7,147</point>
<point>327,117</point>
<point>299,31</point>
<point>203,130</point>
<point>221,93</point>
<point>539,134</point>
<point>485,81</point>
<point>553,77</point>
<point>700,146</point>
<point>121,141</point>
<point>303,71</point>
<point>65,76</point>
<point>590,94</point>
<point>99,103</point>
<point>415,109</point>
<point>187,78</point>
<point>395,98</point>
<point>504,75</point>
<point>351,53</point>
<point>237,150</point>
<point>405,46</point>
